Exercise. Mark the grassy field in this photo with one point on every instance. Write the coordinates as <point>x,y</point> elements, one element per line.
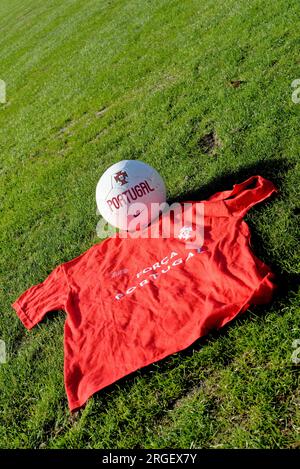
<point>202,91</point>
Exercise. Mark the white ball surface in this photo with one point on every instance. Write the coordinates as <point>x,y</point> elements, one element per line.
<point>130,195</point>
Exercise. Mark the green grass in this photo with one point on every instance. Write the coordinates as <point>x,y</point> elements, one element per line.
<point>160,72</point>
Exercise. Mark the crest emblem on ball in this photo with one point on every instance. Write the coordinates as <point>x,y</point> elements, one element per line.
<point>121,177</point>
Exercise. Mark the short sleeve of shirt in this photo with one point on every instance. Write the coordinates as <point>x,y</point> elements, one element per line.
<point>245,195</point>
<point>49,295</point>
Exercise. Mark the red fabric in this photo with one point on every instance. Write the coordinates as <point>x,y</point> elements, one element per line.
<point>174,294</point>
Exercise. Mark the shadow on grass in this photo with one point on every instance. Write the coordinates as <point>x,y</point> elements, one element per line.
<point>275,170</point>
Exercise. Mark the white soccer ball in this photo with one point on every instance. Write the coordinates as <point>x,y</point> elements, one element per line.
<point>130,195</point>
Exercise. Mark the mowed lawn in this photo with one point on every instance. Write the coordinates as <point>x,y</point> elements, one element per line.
<point>202,91</point>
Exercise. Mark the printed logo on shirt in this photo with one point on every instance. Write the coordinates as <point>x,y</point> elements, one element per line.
<point>117,273</point>
<point>185,232</point>
<point>158,269</point>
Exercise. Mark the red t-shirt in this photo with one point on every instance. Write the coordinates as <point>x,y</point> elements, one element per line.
<point>130,302</point>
